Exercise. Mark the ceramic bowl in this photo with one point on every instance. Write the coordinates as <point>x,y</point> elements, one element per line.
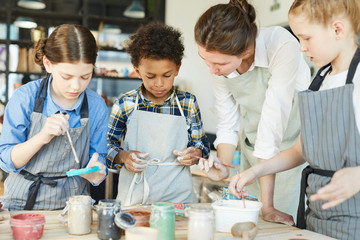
<point>229,212</point>
<point>27,226</point>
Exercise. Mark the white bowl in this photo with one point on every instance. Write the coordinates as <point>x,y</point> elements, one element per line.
<point>229,212</point>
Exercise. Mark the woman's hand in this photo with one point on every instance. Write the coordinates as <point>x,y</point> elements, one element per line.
<point>134,161</point>
<point>271,214</point>
<point>95,177</point>
<point>213,168</point>
<point>344,184</point>
<point>55,125</point>
<point>239,181</point>
<point>188,156</point>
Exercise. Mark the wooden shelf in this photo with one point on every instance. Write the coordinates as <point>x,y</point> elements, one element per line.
<point>25,73</point>
<point>111,49</point>
<point>45,14</point>
<point>21,43</point>
<point>119,20</point>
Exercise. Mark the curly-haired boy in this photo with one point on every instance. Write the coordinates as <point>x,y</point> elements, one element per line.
<point>160,125</point>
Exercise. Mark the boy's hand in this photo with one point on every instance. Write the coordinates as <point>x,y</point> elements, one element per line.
<point>134,161</point>
<point>95,177</point>
<point>344,184</point>
<point>213,168</point>
<point>55,125</point>
<point>188,156</point>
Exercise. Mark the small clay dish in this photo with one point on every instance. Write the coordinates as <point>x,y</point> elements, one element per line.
<point>245,230</point>
<point>27,226</point>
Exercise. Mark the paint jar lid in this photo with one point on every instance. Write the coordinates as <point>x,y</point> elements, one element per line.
<point>125,220</point>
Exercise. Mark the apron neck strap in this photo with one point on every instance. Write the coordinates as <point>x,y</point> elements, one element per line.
<point>319,78</point>
<point>177,102</point>
<point>40,99</point>
<point>39,102</point>
<point>353,66</point>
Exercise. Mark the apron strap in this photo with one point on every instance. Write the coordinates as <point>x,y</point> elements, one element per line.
<point>301,221</point>
<point>154,162</point>
<point>39,102</point>
<point>179,106</point>
<point>316,83</point>
<point>35,186</point>
<point>353,66</point>
<point>318,79</point>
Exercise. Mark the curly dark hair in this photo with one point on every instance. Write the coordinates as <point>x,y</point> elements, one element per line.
<point>155,41</point>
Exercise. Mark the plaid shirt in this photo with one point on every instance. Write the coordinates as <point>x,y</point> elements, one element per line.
<point>124,106</point>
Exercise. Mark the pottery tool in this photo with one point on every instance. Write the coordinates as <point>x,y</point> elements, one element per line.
<point>72,146</point>
<point>225,165</point>
<point>241,192</point>
<point>82,171</point>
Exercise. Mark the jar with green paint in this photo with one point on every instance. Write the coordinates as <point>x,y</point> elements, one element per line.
<point>163,219</point>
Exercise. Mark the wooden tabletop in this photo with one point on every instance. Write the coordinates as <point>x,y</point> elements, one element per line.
<point>55,230</point>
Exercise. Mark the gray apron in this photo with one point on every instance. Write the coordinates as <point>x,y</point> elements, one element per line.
<point>164,179</point>
<point>42,184</point>
<point>330,141</point>
<point>249,90</point>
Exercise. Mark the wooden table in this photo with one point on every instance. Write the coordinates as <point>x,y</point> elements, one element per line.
<point>55,230</point>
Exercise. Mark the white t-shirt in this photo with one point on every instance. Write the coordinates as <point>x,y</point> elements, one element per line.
<point>274,46</point>
<point>338,80</point>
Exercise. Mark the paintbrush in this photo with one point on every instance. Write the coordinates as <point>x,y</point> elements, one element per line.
<point>241,192</point>
<point>225,165</point>
<point>72,146</point>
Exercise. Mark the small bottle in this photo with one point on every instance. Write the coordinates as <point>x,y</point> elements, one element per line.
<point>201,223</point>
<point>236,163</point>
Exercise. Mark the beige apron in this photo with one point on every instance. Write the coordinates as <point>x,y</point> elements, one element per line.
<point>164,179</point>
<point>249,90</point>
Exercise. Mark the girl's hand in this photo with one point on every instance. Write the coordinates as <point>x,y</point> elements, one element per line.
<point>188,156</point>
<point>344,184</point>
<point>134,161</point>
<point>240,180</point>
<point>273,215</point>
<point>55,125</point>
<point>213,168</point>
<point>95,177</point>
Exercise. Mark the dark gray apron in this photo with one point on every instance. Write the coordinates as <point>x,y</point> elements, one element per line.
<point>330,141</point>
<point>42,184</point>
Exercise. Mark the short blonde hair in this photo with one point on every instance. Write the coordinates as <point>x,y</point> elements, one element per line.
<point>322,11</point>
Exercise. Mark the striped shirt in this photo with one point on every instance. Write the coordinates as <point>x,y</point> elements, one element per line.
<point>124,106</point>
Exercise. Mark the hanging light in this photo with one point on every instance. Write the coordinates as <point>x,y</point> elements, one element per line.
<point>31,4</point>
<point>135,10</point>
<point>25,22</point>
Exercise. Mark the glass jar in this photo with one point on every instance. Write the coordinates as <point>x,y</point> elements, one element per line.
<point>201,222</point>
<point>107,229</point>
<point>79,214</point>
<point>163,219</point>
